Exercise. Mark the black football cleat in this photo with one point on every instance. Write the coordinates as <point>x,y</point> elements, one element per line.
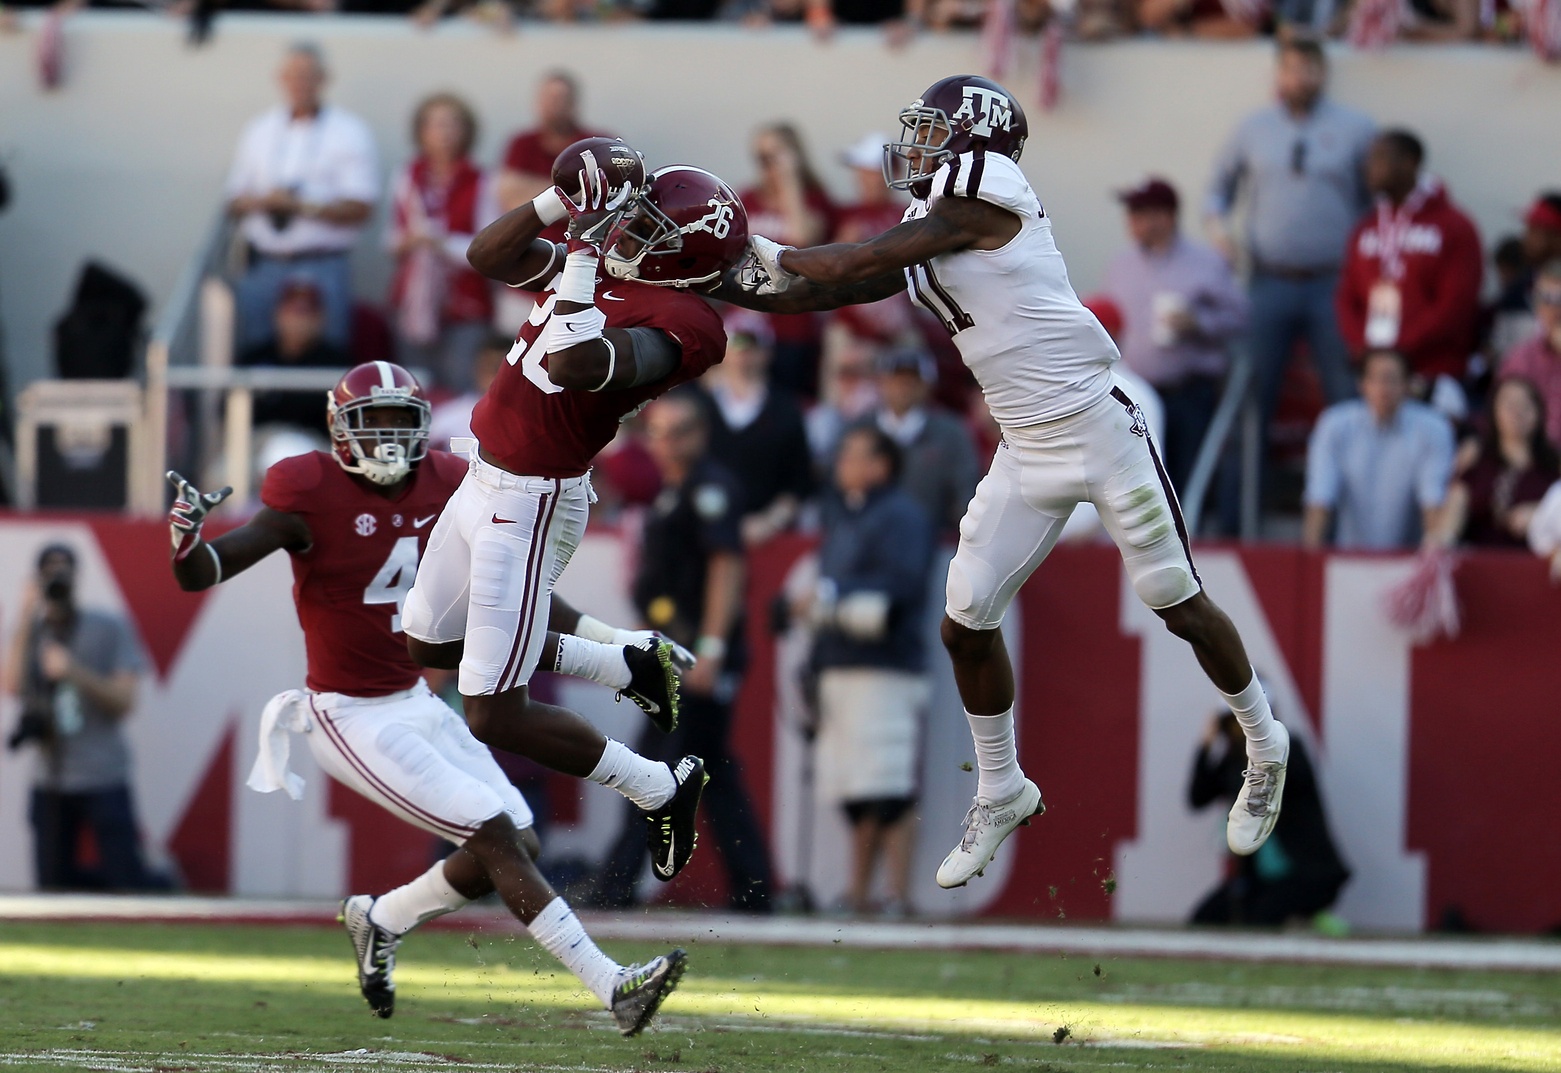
<point>654,682</point>
<point>673,831</point>
<point>376,950</point>
<point>636,1000</point>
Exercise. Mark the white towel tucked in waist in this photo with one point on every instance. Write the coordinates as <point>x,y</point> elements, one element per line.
<point>285,714</point>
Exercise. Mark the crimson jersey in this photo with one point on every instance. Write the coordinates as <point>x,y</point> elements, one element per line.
<point>533,427</point>
<point>350,585</point>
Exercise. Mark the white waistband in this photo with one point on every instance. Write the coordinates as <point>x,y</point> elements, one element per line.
<point>343,700</point>
<point>504,480</point>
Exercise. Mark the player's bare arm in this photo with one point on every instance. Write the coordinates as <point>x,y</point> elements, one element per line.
<point>619,360</point>
<point>955,223</point>
<point>510,250</point>
<point>198,564</point>
<point>805,296</point>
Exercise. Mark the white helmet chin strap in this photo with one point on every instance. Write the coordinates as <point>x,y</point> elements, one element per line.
<point>389,467</point>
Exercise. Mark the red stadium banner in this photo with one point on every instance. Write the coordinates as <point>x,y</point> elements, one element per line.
<point>1436,761</point>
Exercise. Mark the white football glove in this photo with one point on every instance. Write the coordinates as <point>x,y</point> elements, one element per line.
<point>760,271</point>
<point>188,513</point>
<point>599,207</point>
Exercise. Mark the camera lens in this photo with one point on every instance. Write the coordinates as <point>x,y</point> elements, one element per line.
<point>57,589</point>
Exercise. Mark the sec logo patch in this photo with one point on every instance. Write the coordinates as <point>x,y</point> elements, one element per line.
<point>365,525</point>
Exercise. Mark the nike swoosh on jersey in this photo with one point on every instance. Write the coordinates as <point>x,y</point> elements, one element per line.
<point>503,521</point>
<point>611,297</point>
<point>418,523</point>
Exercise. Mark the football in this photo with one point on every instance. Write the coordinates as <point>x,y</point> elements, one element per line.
<point>621,163</point>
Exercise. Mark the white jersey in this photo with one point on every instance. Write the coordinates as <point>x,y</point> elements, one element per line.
<point>1037,353</point>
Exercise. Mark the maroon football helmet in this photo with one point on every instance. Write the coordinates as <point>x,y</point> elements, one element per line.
<point>383,455</point>
<point>685,226</point>
<point>956,115</point>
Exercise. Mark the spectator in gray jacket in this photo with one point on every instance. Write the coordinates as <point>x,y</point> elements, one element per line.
<point>940,468</point>
<point>1299,164</point>
<point>870,611</point>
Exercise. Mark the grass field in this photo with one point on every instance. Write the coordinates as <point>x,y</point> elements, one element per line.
<point>168,998</point>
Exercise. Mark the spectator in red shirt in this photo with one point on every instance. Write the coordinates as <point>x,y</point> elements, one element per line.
<point>1411,279</point>
<point>1538,358</point>
<point>528,161</point>
<point>440,306</point>
<point>527,170</point>
<point>788,204</point>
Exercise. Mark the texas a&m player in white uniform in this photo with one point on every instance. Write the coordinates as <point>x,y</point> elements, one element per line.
<point>355,522</point>
<point>975,248</point>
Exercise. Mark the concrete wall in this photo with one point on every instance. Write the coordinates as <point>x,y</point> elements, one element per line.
<point>125,161</point>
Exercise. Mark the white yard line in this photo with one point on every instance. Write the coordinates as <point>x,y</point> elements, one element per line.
<point>138,1061</point>
<point>670,926</point>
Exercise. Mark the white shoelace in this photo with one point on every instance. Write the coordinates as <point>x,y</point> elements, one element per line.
<point>973,822</point>
<point>1261,781</point>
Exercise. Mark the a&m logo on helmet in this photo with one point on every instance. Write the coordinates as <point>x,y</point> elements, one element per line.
<point>986,110</point>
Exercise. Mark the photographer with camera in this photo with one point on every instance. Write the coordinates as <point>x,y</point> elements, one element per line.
<point>75,671</point>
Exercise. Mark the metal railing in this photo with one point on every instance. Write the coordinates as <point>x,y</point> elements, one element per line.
<point>1236,415</point>
<point>182,336</point>
<point>239,386</point>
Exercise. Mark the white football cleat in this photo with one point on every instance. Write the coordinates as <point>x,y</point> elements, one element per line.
<point>1256,810</point>
<point>985,828</point>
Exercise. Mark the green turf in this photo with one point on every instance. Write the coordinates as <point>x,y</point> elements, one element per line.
<point>197,998</point>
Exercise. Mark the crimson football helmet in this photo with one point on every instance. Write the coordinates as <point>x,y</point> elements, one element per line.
<point>955,115</point>
<point>684,226</point>
<point>383,454</point>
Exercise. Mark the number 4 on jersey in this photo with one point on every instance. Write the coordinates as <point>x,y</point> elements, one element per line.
<point>394,580</point>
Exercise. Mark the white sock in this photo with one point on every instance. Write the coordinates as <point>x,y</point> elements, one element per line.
<point>558,931</point>
<point>429,895</point>
<point>592,660</point>
<point>648,783</point>
<point>1251,709</point>
<point>998,777</point>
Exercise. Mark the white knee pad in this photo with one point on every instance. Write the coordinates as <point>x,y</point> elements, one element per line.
<point>1165,586</point>
<point>970,593</point>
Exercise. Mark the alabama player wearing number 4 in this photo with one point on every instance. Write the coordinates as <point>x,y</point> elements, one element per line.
<point>975,248</point>
<point>355,523</point>
<point>597,348</point>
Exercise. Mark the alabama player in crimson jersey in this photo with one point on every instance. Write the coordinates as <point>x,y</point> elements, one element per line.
<point>355,523</point>
<point>975,248</point>
<point>595,350</point>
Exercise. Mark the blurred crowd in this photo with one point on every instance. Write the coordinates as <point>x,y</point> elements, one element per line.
<point>1363,23</point>
<point>1406,396</point>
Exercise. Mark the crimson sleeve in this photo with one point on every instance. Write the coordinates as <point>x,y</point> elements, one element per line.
<point>700,334</point>
<point>289,481</point>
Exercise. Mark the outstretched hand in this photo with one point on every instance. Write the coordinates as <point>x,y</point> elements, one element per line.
<point>760,271</point>
<point>189,511</point>
<point>598,208</point>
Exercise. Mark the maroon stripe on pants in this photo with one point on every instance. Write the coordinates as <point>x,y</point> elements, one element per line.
<point>1165,483</point>
<point>532,596</point>
<point>531,561</point>
<point>361,766</point>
